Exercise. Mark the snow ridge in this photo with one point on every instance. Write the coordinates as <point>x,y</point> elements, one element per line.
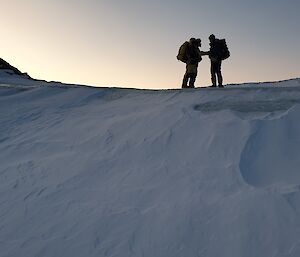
<point>124,172</point>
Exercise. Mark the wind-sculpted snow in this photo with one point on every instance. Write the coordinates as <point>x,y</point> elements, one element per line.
<point>269,100</point>
<point>124,172</point>
<point>248,106</point>
<point>271,155</point>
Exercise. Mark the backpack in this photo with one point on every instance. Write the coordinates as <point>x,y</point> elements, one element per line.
<point>182,52</point>
<point>224,52</point>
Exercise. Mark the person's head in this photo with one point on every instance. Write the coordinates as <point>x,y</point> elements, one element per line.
<point>198,42</point>
<point>192,40</point>
<point>212,38</point>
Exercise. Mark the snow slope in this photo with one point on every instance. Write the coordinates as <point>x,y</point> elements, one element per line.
<point>124,172</point>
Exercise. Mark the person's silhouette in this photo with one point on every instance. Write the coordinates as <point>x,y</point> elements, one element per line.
<point>193,57</point>
<point>216,61</point>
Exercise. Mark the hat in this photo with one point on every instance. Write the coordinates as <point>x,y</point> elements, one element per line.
<point>212,37</point>
<point>192,40</point>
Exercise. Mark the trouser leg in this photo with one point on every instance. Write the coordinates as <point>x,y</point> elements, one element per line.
<point>192,70</point>
<point>219,74</point>
<point>185,80</point>
<point>192,80</point>
<point>190,76</point>
<point>213,75</point>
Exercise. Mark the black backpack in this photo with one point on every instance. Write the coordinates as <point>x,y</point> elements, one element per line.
<point>224,52</point>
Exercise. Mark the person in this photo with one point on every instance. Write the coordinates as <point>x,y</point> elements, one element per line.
<point>193,57</point>
<point>216,61</point>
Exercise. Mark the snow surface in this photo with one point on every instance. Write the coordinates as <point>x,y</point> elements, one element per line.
<point>173,173</point>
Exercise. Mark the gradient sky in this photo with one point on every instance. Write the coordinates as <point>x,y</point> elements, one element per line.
<point>131,43</point>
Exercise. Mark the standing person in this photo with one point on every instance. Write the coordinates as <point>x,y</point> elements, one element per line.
<point>190,54</point>
<point>218,52</point>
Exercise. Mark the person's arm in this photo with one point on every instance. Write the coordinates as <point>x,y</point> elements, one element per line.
<point>203,53</point>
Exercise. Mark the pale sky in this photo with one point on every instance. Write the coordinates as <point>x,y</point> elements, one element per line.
<point>131,43</point>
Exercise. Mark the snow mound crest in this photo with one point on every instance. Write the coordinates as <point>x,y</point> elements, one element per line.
<point>124,172</point>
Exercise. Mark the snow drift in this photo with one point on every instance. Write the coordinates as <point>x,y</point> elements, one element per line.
<point>124,172</point>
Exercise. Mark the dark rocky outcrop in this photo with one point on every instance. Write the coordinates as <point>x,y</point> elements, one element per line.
<point>6,66</point>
